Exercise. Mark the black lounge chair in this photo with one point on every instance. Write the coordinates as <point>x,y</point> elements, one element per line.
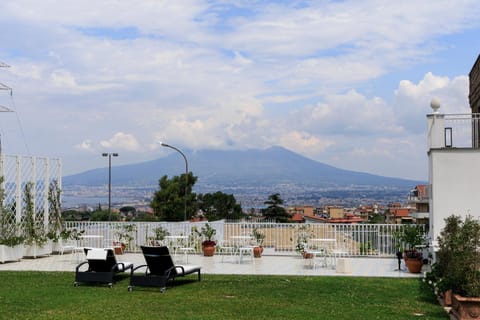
<point>102,267</point>
<point>159,269</point>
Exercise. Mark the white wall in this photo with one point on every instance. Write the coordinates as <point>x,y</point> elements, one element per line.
<point>454,177</point>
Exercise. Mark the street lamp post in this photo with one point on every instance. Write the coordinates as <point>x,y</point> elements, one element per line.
<point>109,155</point>
<point>186,176</point>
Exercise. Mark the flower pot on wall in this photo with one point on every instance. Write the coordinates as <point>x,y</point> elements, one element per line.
<point>464,308</point>
<point>257,252</point>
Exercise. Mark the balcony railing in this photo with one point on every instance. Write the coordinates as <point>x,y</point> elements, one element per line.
<point>462,130</point>
<point>280,238</point>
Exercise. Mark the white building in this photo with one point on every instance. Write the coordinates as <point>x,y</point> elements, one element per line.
<point>454,166</point>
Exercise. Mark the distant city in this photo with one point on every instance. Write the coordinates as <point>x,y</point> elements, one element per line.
<point>250,175</point>
<point>248,197</point>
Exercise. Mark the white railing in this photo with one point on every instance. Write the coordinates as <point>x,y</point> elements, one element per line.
<point>280,238</point>
<point>462,130</point>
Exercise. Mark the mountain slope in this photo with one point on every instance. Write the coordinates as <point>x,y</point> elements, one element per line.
<point>267,167</point>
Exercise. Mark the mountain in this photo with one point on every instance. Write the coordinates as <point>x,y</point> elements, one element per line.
<point>256,168</point>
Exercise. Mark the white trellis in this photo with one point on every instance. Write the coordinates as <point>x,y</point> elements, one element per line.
<point>17,171</point>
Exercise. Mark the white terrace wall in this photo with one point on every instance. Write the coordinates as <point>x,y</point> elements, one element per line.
<point>17,171</point>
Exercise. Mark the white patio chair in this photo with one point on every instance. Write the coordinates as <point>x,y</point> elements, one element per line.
<point>78,254</point>
<point>186,247</point>
<point>245,251</point>
<point>66,245</point>
<point>226,249</point>
<point>244,246</point>
<point>321,257</point>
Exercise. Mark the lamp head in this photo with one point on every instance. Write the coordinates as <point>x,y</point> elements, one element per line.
<point>162,144</point>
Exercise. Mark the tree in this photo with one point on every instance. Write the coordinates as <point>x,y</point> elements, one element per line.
<point>168,202</point>
<point>275,210</point>
<point>219,205</point>
<point>103,215</point>
<point>144,216</point>
<point>128,211</point>
<point>376,218</point>
<point>74,215</point>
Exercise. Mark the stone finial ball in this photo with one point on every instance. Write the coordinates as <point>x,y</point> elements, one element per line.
<point>435,104</point>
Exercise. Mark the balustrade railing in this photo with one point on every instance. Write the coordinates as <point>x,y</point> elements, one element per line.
<point>280,238</point>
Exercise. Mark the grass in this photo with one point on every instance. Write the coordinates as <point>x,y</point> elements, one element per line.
<point>51,295</point>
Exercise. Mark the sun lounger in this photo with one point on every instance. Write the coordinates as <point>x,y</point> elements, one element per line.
<point>102,266</point>
<point>159,269</point>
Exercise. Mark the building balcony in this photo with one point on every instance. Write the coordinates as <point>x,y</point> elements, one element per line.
<point>454,130</point>
<point>420,215</point>
<point>415,199</point>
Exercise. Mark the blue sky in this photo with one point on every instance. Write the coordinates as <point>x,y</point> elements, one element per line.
<point>347,83</point>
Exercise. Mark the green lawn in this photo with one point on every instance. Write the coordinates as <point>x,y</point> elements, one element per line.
<point>51,295</point>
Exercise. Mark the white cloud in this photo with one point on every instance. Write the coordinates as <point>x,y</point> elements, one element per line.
<point>206,74</point>
<point>85,145</point>
<point>349,113</point>
<point>412,101</point>
<point>121,141</point>
<point>63,78</point>
<point>305,143</point>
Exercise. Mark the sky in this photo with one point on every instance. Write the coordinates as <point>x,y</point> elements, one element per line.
<point>346,83</point>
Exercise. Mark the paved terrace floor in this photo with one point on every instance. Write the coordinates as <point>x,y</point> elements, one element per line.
<point>266,265</point>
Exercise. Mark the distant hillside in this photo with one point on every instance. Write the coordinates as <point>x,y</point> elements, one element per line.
<point>273,166</point>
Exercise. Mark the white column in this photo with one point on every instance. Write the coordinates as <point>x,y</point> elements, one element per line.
<point>436,131</point>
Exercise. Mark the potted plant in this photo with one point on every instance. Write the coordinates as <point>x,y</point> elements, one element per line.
<point>303,235</point>
<point>125,236</point>
<point>208,244</point>
<point>457,265</point>
<point>259,237</point>
<point>36,239</point>
<point>410,237</point>
<point>440,284</point>
<point>159,234</point>
<point>195,238</point>
<point>11,243</point>
<point>56,226</point>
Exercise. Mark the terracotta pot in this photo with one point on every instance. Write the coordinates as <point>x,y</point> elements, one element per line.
<point>464,308</point>
<point>447,298</point>
<point>307,255</point>
<point>414,265</point>
<point>208,251</point>
<point>257,252</point>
